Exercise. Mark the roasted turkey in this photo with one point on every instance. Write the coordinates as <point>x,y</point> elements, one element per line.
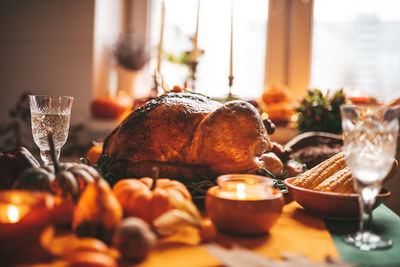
<point>191,136</point>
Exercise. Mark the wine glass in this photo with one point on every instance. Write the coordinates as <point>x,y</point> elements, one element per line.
<point>50,112</point>
<point>370,139</point>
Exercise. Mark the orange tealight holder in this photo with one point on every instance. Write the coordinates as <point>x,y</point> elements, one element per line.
<point>23,216</point>
<point>244,204</point>
<point>357,98</point>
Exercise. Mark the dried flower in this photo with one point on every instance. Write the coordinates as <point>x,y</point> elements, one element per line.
<point>131,52</point>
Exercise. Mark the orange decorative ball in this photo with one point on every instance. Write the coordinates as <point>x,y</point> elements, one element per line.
<point>94,153</point>
<point>147,198</point>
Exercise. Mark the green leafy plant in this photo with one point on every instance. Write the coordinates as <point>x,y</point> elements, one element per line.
<point>319,112</point>
<point>182,58</point>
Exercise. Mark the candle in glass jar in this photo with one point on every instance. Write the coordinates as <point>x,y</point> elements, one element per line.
<point>244,187</point>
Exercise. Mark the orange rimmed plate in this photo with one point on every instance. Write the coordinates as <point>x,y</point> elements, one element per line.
<point>330,205</point>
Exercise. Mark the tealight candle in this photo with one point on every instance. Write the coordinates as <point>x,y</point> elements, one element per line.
<point>23,216</point>
<point>244,204</point>
<point>12,213</point>
<point>357,98</point>
<point>244,187</point>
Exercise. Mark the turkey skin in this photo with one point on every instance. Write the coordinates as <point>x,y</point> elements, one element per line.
<point>190,136</point>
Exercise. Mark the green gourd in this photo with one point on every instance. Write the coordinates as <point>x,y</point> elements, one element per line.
<point>66,180</point>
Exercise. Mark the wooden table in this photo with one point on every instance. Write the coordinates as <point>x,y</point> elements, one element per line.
<point>295,232</point>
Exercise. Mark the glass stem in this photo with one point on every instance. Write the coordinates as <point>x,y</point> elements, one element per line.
<point>369,223</point>
<point>362,212</point>
<point>46,157</point>
<point>366,201</point>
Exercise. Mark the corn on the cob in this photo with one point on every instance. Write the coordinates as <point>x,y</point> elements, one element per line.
<point>319,173</point>
<point>340,182</point>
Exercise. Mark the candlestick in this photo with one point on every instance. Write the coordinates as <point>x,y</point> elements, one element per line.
<point>230,95</point>
<point>230,78</point>
<point>160,44</point>
<point>195,52</point>
<point>154,90</point>
<point>193,69</point>
<point>231,56</point>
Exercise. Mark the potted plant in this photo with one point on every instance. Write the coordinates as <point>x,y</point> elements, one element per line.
<point>131,55</point>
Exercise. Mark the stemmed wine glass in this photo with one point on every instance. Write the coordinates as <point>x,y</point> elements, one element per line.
<point>50,112</point>
<point>370,139</point>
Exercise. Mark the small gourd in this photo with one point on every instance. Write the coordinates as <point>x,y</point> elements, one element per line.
<point>147,198</point>
<point>66,180</point>
<point>94,153</point>
<point>134,239</point>
<point>98,212</point>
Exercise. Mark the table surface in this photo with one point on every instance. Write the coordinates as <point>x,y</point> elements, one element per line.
<point>386,223</point>
<point>295,232</point>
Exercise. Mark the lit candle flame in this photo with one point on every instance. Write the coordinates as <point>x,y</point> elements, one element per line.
<point>240,194</point>
<point>13,214</point>
<point>294,118</point>
<point>264,116</point>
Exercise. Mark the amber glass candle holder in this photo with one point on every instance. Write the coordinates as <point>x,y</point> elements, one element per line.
<point>23,216</point>
<point>244,204</point>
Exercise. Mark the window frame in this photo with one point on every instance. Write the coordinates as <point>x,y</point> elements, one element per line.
<point>289,41</point>
<point>288,47</point>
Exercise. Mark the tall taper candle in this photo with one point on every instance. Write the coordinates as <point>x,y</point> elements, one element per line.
<point>160,44</point>
<point>196,35</point>
<point>231,59</point>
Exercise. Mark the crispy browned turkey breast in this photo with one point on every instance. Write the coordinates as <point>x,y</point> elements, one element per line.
<point>190,136</point>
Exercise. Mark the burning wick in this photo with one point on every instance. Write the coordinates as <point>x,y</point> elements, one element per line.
<point>240,194</point>
<point>264,116</point>
<point>13,214</point>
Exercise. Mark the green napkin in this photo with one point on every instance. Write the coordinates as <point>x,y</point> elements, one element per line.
<point>385,223</point>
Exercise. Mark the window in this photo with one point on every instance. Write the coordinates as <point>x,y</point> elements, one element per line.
<point>356,45</point>
<point>250,30</point>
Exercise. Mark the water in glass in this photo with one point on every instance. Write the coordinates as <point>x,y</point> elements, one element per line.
<point>50,113</point>
<point>59,123</point>
<point>370,138</point>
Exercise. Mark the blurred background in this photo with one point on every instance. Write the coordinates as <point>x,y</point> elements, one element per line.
<point>70,47</point>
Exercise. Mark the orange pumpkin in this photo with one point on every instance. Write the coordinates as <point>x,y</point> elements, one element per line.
<point>98,213</point>
<point>147,198</point>
<point>109,107</point>
<point>94,153</point>
<point>91,259</point>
